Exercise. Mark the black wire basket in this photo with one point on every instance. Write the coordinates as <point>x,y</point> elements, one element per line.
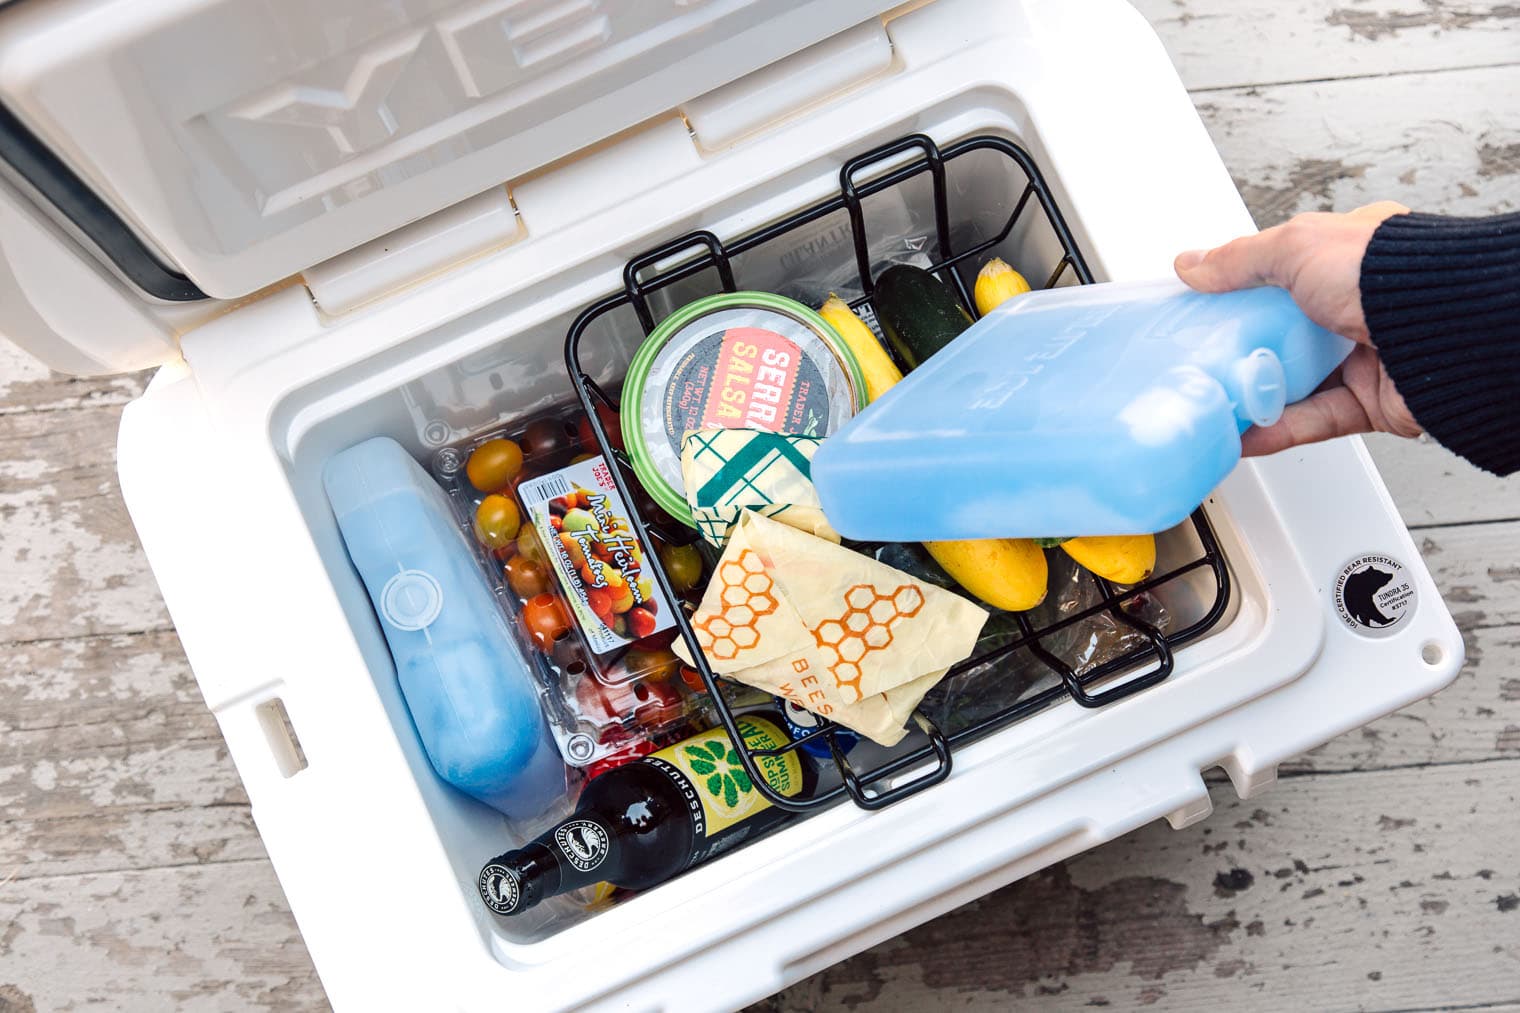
<point>894,165</point>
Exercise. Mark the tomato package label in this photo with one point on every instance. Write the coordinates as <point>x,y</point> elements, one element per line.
<point>583,522</point>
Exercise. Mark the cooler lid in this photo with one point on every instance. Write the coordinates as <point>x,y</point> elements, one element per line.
<point>217,146</point>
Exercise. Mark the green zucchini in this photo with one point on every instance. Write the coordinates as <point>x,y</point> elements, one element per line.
<point>919,315</point>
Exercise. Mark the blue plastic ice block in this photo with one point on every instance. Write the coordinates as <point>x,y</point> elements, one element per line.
<point>466,683</point>
<point>1096,410</point>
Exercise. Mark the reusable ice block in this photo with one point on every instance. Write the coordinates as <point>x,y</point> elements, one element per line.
<point>1093,410</point>
<point>467,686</point>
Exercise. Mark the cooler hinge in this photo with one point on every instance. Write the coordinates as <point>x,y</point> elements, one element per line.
<point>485,222</point>
<point>772,93</point>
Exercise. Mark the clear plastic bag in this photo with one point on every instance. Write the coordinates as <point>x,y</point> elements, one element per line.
<point>982,690</point>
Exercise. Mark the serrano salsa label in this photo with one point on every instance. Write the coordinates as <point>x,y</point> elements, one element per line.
<point>745,378</point>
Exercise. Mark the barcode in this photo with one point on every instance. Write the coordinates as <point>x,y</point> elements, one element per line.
<point>545,489</point>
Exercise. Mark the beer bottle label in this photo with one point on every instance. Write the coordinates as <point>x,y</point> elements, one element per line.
<point>725,806</point>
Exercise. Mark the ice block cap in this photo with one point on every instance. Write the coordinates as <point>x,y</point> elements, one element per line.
<point>1262,388</point>
<point>411,600</point>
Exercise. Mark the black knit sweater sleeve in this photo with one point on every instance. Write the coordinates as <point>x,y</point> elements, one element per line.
<point>1442,300</point>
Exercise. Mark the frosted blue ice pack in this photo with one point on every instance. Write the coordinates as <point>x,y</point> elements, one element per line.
<point>466,683</point>
<point>1093,410</point>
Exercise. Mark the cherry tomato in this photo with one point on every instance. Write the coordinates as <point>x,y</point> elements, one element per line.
<point>622,601</point>
<point>693,679</point>
<point>529,547</point>
<point>527,578</point>
<point>640,622</point>
<point>545,619</point>
<point>610,423</point>
<point>655,641</point>
<point>494,464</point>
<point>570,657</point>
<point>496,522</point>
<point>599,600</point>
<point>545,438</point>
<point>683,565</point>
<point>629,753</point>
<point>658,665</point>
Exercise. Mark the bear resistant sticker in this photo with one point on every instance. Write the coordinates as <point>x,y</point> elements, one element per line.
<point>1374,595</point>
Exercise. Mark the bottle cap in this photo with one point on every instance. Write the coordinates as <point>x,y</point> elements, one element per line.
<point>500,886</point>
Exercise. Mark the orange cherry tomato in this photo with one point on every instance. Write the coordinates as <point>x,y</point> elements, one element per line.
<point>545,620</point>
<point>658,665</point>
<point>693,679</point>
<point>527,577</point>
<point>494,464</point>
<point>496,522</point>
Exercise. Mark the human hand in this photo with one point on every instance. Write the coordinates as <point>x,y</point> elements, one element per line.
<point>1318,259</point>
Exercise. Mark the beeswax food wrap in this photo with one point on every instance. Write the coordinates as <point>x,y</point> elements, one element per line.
<point>836,632</point>
<point>729,471</point>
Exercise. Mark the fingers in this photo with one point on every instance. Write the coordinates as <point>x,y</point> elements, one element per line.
<point>1322,416</point>
<point>1246,262</point>
<point>1381,210</point>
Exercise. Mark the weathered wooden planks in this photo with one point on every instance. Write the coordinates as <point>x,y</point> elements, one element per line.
<point>1219,44</point>
<point>70,561</point>
<point>1432,486</point>
<point>1384,891</point>
<point>205,939</point>
<point>1447,142</point>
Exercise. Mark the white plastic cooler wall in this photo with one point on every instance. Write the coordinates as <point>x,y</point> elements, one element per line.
<point>220,464</point>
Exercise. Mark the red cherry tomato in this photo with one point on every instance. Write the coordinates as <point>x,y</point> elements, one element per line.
<point>527,577</point>
<point>610,423</point>
<point>655,641</point>
<point>629,753</point>
<point>494,464</point>
<point>545,438</point>
<point>640,622</point>
<point>599,600</point>
<point>545,620</point>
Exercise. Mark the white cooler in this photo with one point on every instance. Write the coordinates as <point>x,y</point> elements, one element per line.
<point>330,221</point>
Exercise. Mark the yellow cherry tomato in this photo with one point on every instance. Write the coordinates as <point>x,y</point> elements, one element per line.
<point>496,522</point>
<point>494,464</point>
<point>529,547</point>
<point>683,565</point>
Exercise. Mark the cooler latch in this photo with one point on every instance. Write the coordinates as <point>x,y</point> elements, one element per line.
<point>771,93</point>
<point>485,222</point>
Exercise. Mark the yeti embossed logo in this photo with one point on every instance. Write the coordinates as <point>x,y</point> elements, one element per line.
<point>1374,595</point>
<point>383,109</point>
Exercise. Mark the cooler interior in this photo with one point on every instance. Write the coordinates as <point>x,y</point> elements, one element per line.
<point>946,207</point>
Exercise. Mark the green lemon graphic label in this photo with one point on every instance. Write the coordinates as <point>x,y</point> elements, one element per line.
<point>720,792</point>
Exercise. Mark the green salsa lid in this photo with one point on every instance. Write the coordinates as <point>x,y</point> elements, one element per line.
<point>739,360</point>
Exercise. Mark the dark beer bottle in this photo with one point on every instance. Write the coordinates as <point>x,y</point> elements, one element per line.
<point>646,821</point>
